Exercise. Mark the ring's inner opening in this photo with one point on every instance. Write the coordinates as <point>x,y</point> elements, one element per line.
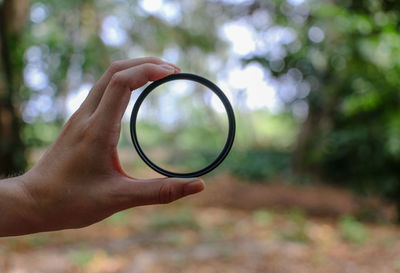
<point>182,126</point>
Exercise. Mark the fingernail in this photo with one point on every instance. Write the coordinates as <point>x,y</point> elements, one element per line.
<point>193,187</point>
<point>168,68</point>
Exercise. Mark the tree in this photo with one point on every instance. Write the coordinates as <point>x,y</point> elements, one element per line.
<point>12,150</point>
<point>348,53</point>
<point>65,40</point>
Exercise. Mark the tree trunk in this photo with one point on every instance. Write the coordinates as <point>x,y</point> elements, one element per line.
<point>12,150</point>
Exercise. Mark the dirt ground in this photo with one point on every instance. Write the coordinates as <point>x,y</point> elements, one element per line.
<point>231,227</point>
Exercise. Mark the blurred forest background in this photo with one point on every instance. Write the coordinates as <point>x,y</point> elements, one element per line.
<point>315,87</point>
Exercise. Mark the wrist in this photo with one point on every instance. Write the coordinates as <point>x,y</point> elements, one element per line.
<point>18,215</point>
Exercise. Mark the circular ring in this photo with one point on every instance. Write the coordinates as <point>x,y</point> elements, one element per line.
<point>224,100</point>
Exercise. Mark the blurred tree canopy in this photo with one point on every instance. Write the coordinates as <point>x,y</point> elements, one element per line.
<point>12,17</point>
<point>49,48</point>
<point>335,66</point>
<point>348,53</point>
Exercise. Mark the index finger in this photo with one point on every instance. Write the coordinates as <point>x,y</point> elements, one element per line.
<point>91,102</point>
<point>116,97</point>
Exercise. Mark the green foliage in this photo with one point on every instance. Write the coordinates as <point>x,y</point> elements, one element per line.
<point>396,264</point>
<point>40,134</point>
<point>348,53</point>
<point>263,217</point>
<point>183,219</point>
<point>118,219</point>
<point>263,145</point>
<point>344,64</point>
<point>263,129</point>
<point>258,164</point>
<point>38,240</point>
<point>81,256</point>
<point>187,148</point>
<point>70,48</point>
<point>297,230</point>
<point>353,231</point>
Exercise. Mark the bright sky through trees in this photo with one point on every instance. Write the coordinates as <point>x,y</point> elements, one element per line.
<point>260,89</point>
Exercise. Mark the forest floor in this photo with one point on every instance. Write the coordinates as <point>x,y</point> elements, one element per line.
<point>230,227</point>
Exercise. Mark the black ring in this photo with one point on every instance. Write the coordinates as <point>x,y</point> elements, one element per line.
<point>222,97</point>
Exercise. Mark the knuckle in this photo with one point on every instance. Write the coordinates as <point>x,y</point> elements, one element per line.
<point>74,122</point>
<point>167,193</point>
<point>75,118</point>
<point>76,129</point>
<point>146,69</point>
<point>115,67</point>
<point>147,66</point>
<point>118,79</point>
<point>94,132</point>
<point>86,132</point>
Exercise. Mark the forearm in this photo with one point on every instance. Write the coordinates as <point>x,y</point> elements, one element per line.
<point>17,216</point>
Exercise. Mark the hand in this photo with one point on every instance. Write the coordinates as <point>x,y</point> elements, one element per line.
<point>79,180</point>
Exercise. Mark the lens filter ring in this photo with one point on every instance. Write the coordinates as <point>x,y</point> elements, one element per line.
<point>221,96</point>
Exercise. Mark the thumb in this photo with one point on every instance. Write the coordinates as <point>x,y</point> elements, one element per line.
<point>161,190</point>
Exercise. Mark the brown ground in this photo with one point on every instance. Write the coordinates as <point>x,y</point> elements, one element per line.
<point>231,227</point>
<point>317,200</point>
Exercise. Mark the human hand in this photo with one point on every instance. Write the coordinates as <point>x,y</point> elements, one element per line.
<point>79,180</point>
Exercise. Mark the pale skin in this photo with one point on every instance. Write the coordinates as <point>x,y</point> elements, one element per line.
<point>79,180</point>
